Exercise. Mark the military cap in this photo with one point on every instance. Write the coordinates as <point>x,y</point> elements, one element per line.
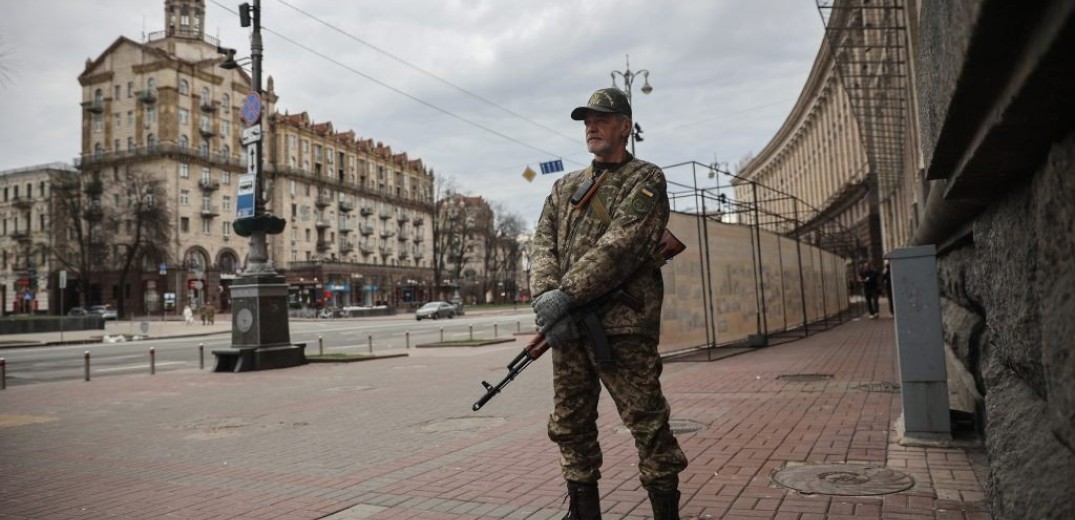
<point>608,100</point>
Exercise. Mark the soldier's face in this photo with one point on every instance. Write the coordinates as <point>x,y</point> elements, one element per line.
<point>606,134</point>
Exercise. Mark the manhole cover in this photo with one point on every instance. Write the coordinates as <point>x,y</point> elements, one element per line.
<point>463,424</point>
<point>843,479</point>
<point>677,426</point>
<point>883,386</point>
<point>804,378</point>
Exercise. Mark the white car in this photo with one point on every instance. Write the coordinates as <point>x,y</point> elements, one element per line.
<point>435,310</point>
<point>104,311</point>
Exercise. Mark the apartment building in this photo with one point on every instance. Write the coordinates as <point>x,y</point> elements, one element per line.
<point>164,109</point>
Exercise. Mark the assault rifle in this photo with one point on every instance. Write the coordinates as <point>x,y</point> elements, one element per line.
<point>667,248</point>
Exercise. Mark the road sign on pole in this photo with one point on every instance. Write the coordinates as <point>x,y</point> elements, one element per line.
<point>251,134</point>
<point>251,112</point>
<point>244,204</point>
<point>252,158</point>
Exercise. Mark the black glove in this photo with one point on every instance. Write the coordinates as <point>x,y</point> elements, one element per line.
<point>562,333</point>
<point>550,306</point>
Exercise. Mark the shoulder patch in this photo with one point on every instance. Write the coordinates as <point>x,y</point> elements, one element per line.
<point>642,202</point>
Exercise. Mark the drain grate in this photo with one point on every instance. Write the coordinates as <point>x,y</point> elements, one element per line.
<point>677,426</point>
<point>883,386</point>
<point>843,479</point>
<point>804,378</point>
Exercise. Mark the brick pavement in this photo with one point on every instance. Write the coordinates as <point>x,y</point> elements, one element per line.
<point>394,440</point>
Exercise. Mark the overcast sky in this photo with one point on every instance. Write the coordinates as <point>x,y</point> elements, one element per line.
<point>725,74</point>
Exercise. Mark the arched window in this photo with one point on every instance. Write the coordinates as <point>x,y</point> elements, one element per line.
<point>98,98</point>
<point>184,87</point>
<point>227,263</point>
<point>225,151</point>
<point>225,101</point>
<point>98,150</point>
<point>205,96</point>
<point>203,148</point>
<point>184,142</point>
<point>151,85</point>
<point>151,141</point>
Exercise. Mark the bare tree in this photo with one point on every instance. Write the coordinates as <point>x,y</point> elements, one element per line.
<point>7,64</point>
<point>506,250</point>
<point>93,238</point>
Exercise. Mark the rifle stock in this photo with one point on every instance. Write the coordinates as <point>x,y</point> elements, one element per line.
<point>668,247</point>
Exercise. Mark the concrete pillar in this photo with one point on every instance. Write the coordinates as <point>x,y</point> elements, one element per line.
<point>920,344</point>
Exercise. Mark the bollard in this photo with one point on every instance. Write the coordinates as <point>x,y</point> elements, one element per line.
<point>3,374</point>
<point>86,358</point>
<point>321,345</point>
<point>442,334</point>
<point>494,331</point>
<point>518,327</point>
<point>408,340</point>
<point>201,356</point>
<point>471,332</point>
<point>152,360</point>
<point>371,343</point>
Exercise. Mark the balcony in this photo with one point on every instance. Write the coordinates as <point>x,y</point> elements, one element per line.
<point>206,131</point>
<point>419,238</point>
<point>403,218</point>
<point>366,211</point>
<point>346,247</point>
<point>385,214</point>
<point>403,236</point>
<point>20,235</point>
<point>403,254</point>
<point>95,107</point>
<point>321,224</point>
<point>366,250</point>
<point>345,227</point>
<point>385,250</point>
<point>94,212</point>
<point>347,206</point>
<point>209,185</point>
<point>208,106</point>
<point>147,96</point>
<point>323,245</point>
<point>209,211</point>
<point>322,201</point>
<point>22,202</point>
<point>419,254</point>
<point>156,151</point>
<point>365,229</point>
<point>418,221</point>
<point>387,234</point>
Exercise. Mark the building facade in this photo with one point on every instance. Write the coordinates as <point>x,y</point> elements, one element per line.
<point>165,109</point>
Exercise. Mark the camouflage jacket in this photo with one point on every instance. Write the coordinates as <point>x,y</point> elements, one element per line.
<point>579,253</point>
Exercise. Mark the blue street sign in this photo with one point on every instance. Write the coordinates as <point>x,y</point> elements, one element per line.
<point>251,112</point>
<point>552,166</point>
<point>244,204</point>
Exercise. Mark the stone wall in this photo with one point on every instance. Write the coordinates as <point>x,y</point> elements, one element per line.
<point>1008,298</point>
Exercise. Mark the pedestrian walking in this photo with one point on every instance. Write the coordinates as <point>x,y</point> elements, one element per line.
<point>598,227</point>
<point>188,315</point>
<point>869,278</point>
<point>210,313</point>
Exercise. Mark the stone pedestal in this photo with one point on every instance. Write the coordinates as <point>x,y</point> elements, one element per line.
<point>260,336</point>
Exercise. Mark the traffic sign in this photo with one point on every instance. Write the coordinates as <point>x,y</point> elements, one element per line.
<point>252,159</point>
<point>251,112</point>
<point>251,134</point>
<point>244,204</point>
<point>63,279</point>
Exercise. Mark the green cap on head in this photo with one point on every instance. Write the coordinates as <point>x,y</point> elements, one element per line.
<point>608,100</point>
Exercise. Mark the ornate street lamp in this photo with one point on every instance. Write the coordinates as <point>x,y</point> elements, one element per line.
<point>628,79</point>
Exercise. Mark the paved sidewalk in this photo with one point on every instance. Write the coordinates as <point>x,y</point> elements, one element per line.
<point>394,440</point>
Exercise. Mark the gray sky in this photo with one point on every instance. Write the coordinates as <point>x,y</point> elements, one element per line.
<point>725,74</point>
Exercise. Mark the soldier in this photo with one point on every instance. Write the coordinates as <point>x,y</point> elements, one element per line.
<point>598,226</point>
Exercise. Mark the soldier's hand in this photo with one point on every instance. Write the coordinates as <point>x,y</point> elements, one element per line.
<point>561,333</point>
<point>550,306</point>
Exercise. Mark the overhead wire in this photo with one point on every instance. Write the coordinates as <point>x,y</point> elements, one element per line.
<point>397,90</point>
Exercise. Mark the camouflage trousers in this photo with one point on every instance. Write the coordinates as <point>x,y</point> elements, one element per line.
<point>632,380</point>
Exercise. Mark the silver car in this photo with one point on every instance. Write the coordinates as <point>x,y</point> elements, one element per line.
<point>435,310</point>
<point>103,311</point>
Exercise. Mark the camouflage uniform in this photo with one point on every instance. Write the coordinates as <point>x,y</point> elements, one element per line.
<point>587,256</point>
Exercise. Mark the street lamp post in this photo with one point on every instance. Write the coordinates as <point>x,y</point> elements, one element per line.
<point>629,78</point>
<point>260,335</point>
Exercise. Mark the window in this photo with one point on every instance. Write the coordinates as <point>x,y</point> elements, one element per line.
<point>307,234</point>
<point>184,116</point>
<point>184,197</point>
<point>184,170</point>
<point>226,229</point>
<point>98,98</point>
<point>206,174</point>
<point>130,118</point>
<point>130,143</point>
<point>151,85</point>
<point>130,88</point>
<point>151,141</point>
<point>225,128</point>
<point>184,141</point>
<point>98,123</point>
<point>292,194</point>
<point>206,100</point>
<point>225,151</point>
<point>184,224</point>
<point>98,150</point>
<point>225,203</point>
<point>116,95</point>
<point>207,203</point>
<point>225,101</point>
<point>225,176</point>
<point>203,123</point>
<point>203,148</point>
<point>115,145</point>
<point>151,115</point>
<point>184,87</point>
<point>205,226</point>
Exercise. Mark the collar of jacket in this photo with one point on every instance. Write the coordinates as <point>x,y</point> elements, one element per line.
<point>598,166</point>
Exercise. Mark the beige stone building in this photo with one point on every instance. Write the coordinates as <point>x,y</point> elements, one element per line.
<point>26,236</point>
<point>164,108</point>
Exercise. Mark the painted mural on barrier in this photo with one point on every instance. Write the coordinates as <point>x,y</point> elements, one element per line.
<point>745,275</point>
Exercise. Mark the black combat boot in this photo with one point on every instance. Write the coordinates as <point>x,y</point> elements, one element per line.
<point>665,505</point>
<point>584,501</point>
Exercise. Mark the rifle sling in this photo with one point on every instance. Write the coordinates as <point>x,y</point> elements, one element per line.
<point>592,323</point>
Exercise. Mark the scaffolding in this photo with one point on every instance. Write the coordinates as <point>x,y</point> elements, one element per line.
<point>868,42</point>
<point>730,199</point>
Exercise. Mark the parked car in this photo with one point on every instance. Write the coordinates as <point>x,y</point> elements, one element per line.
<point>78,311</point>
<point>104,311</point>
<point>435,310</point>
